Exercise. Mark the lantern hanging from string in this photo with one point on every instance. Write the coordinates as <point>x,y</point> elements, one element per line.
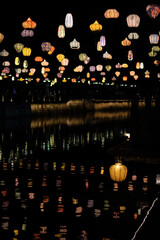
<point>118,172</point>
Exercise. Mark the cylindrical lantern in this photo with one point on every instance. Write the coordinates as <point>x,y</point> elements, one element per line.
<point>69,20</point>
<point>61,31</point>
<point>103,41</point>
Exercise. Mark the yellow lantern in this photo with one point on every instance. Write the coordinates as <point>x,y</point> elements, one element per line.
<point>118,172</point>
<point>1,37</point>
<point>95,27</point>
<point>60,57</point>
<point>26,51</point>
<point>17,61</point>
<point>117,73</point>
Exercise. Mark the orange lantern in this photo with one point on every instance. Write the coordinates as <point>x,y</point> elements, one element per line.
<point>96,26</point>
<point>38,59</point>
<point>29,24</point>
<point>111,13</point>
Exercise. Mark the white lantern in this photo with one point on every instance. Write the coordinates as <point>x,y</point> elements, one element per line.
<point>69,20</point>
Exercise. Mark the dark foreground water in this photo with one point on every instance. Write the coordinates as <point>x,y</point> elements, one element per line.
<point>55,181</point>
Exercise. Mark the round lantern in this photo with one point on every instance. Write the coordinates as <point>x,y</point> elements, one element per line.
<point>111,13</point>
<point>154,38</point>
<point>29,24</point>
<point>133,20</point>
<point>46,46</point>
<point>26,51</point>
<point>61,31</point>
<point>95,27</point>
<point>69,20</point>
<point>82,57</point>
<point>118,172</point>
<point>18,47</point>
<point>1,37</point>
<point>125,78</point>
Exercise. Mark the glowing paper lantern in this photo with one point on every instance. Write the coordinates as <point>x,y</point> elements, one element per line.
<point>46,46</point>
<point>108,67</point>
<point>99,48</point>
<point>126,42</point>
<point>125,78</point>
<point>82,57</point>
<point>154,38</point>
<point>133,20</point>
<point>17,61</point>
<point>38,59</point>
<point>153,10</point>
<point>18,47</point>
<point>117,73</point>
<point>44,63</point>
<point>60,57</point>
<point>25,64</point>
<point>133,35</point>
<point>65,62</point>
<point>4,53</point>
<point>130,55</point>
<point>118,172</point>
<point>61,31</point>
<point>27,33</point>
<point>106,55</point>
<point>96,27</point>
<point>92,68</point>
<point>99,67</point>
<point>29,24</point>
<point>69,20</point>
<point>26,52</point>
<point>1,37</point>
<point>103,41</point>
<point>75,44</point>
<point>51,50</point>
<point>111,13</point>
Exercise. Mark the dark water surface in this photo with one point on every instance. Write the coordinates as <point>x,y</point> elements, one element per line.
<point>55,181</point>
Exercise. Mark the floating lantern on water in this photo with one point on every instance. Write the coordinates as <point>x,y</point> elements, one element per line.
<point>133,20</point>
<point>95,27</point>
<point>118,172</point>
<point>111,13</point>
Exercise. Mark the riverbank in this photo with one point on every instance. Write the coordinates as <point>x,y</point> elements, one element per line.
<point>10,110</point>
